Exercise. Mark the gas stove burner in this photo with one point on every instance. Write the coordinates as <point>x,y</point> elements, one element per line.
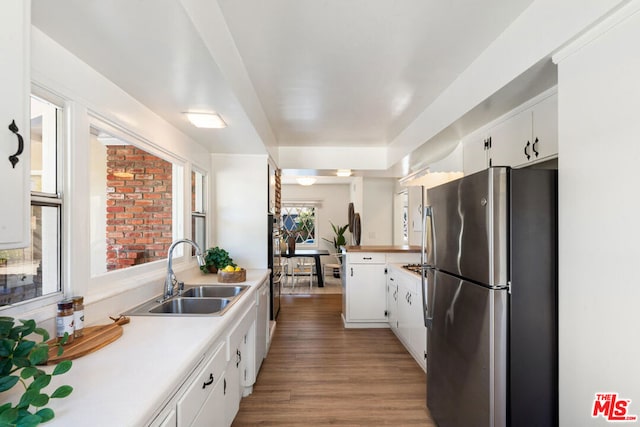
<point>416,268</point>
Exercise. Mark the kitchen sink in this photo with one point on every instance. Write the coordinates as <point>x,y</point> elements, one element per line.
<point>195,300</point>
<point>192,306</point>
<point>213,291</point>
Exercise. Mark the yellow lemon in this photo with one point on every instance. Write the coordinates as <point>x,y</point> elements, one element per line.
<point>238,269</point>
<point>229,268</point>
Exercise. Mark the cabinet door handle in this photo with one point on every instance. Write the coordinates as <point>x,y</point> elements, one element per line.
<point>367,258</point>
<point>526,150</point>
<point>351,271</point>
<point>14,159</point>
<point>534,147</point>
<point>224,387</point>
<point>206,383</point>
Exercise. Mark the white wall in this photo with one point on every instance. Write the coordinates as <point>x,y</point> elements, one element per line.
<point>333,208</point>
<point>239,194</point>
<point>377,214</point>
<point>599,290</point>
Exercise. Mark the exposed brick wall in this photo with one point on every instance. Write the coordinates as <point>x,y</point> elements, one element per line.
<point>138,207</point>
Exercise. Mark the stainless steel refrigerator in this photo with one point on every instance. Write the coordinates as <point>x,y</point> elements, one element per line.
<point>490,298</point>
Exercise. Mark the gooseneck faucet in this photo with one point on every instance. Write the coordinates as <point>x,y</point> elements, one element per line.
<point>170,280</point>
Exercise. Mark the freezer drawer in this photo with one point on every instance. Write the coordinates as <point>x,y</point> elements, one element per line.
<point>466,352</point>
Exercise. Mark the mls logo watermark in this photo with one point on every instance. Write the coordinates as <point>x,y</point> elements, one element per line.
<point>612,408</point>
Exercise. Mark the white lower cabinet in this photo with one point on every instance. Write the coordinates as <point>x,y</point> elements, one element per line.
<point>392,300</point>
<point>365,284</point>
<point>240,373</point>
<point>408,321</point>
<point>262,324</point>
<point>210,397</point>
<point>202,404</point>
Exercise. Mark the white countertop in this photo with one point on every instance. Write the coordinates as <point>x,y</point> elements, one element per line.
<point>127,382</point>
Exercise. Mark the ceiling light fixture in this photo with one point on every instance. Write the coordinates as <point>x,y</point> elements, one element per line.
<point>206,120</point>
<point>306,180</point>
<point>344,172</point>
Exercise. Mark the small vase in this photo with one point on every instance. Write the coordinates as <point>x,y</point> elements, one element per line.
<point>212,269</point>
<point>291,245</point>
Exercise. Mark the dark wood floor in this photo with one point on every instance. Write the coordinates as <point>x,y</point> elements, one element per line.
<point>318,373</point>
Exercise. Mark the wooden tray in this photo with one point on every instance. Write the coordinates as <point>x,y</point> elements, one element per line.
<point>94,338</point>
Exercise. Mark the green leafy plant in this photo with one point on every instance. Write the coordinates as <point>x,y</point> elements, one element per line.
<point>19,358</point>
<point>338,239</point>
<point>216,257</point>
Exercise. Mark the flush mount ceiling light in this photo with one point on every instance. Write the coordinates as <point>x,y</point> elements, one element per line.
<point>206,120</point>
<point>344,172</point>
<point>306,180</point>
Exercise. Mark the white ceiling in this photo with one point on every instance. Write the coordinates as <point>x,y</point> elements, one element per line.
<point>330,73</point>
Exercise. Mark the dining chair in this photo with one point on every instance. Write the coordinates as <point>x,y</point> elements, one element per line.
<point>303,266</point>
<point>331,267</point>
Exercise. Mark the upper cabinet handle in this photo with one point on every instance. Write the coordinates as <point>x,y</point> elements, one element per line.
<point>534,147</point>
<point>14,159</point>
<point>526,150</point>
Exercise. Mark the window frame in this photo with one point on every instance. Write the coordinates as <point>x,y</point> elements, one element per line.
<point>110,282</point>
<point>285,209</point>
<point>203,214</point>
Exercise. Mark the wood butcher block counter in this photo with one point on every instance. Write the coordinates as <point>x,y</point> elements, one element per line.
<point>383,248</point>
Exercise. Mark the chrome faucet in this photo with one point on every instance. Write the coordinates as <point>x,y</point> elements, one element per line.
<point>170,281</point>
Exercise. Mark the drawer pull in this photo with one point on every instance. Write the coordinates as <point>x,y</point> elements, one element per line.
<point>367,257</point>
<point>205,384</point>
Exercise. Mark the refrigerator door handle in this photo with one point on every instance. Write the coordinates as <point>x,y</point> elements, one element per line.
<point>428,313</point>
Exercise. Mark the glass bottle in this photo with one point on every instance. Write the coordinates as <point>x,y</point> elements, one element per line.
<point>64,320</point>
<point>78,316</point>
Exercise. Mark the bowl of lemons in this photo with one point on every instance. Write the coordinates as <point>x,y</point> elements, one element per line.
<point>232,274</point>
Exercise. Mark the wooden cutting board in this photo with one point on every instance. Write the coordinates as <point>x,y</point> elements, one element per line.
<point>93,338</point>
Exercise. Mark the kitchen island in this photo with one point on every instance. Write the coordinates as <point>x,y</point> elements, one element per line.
<point>364,282</point>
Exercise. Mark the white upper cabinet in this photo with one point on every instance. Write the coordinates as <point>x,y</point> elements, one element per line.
<point>545,129</point>
<point>524,136</point>
<point>527,137</point>
<point>15,127</point>
<point>475,147</point>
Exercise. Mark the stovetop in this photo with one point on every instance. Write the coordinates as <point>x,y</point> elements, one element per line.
<point>415,268</point>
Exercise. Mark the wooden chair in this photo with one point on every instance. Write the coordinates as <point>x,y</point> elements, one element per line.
<point>303,266</point>
<point>331,267</point>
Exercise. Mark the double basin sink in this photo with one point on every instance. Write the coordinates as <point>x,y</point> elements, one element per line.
<point>195,300</point>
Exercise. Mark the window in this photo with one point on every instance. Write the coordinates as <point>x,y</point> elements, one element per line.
<point>35,271</point>
<point>198,216</point>
<point>134,197</point>
<point>299,221</point>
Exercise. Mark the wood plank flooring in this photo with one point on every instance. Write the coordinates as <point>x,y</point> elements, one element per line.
<point>318,373</point>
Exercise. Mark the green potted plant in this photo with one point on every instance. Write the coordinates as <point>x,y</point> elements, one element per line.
<point>216,258</point>
<point>338,239</point>
<point>19,358</point>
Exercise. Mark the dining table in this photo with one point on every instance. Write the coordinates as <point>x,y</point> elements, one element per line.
<point>310,253</point>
